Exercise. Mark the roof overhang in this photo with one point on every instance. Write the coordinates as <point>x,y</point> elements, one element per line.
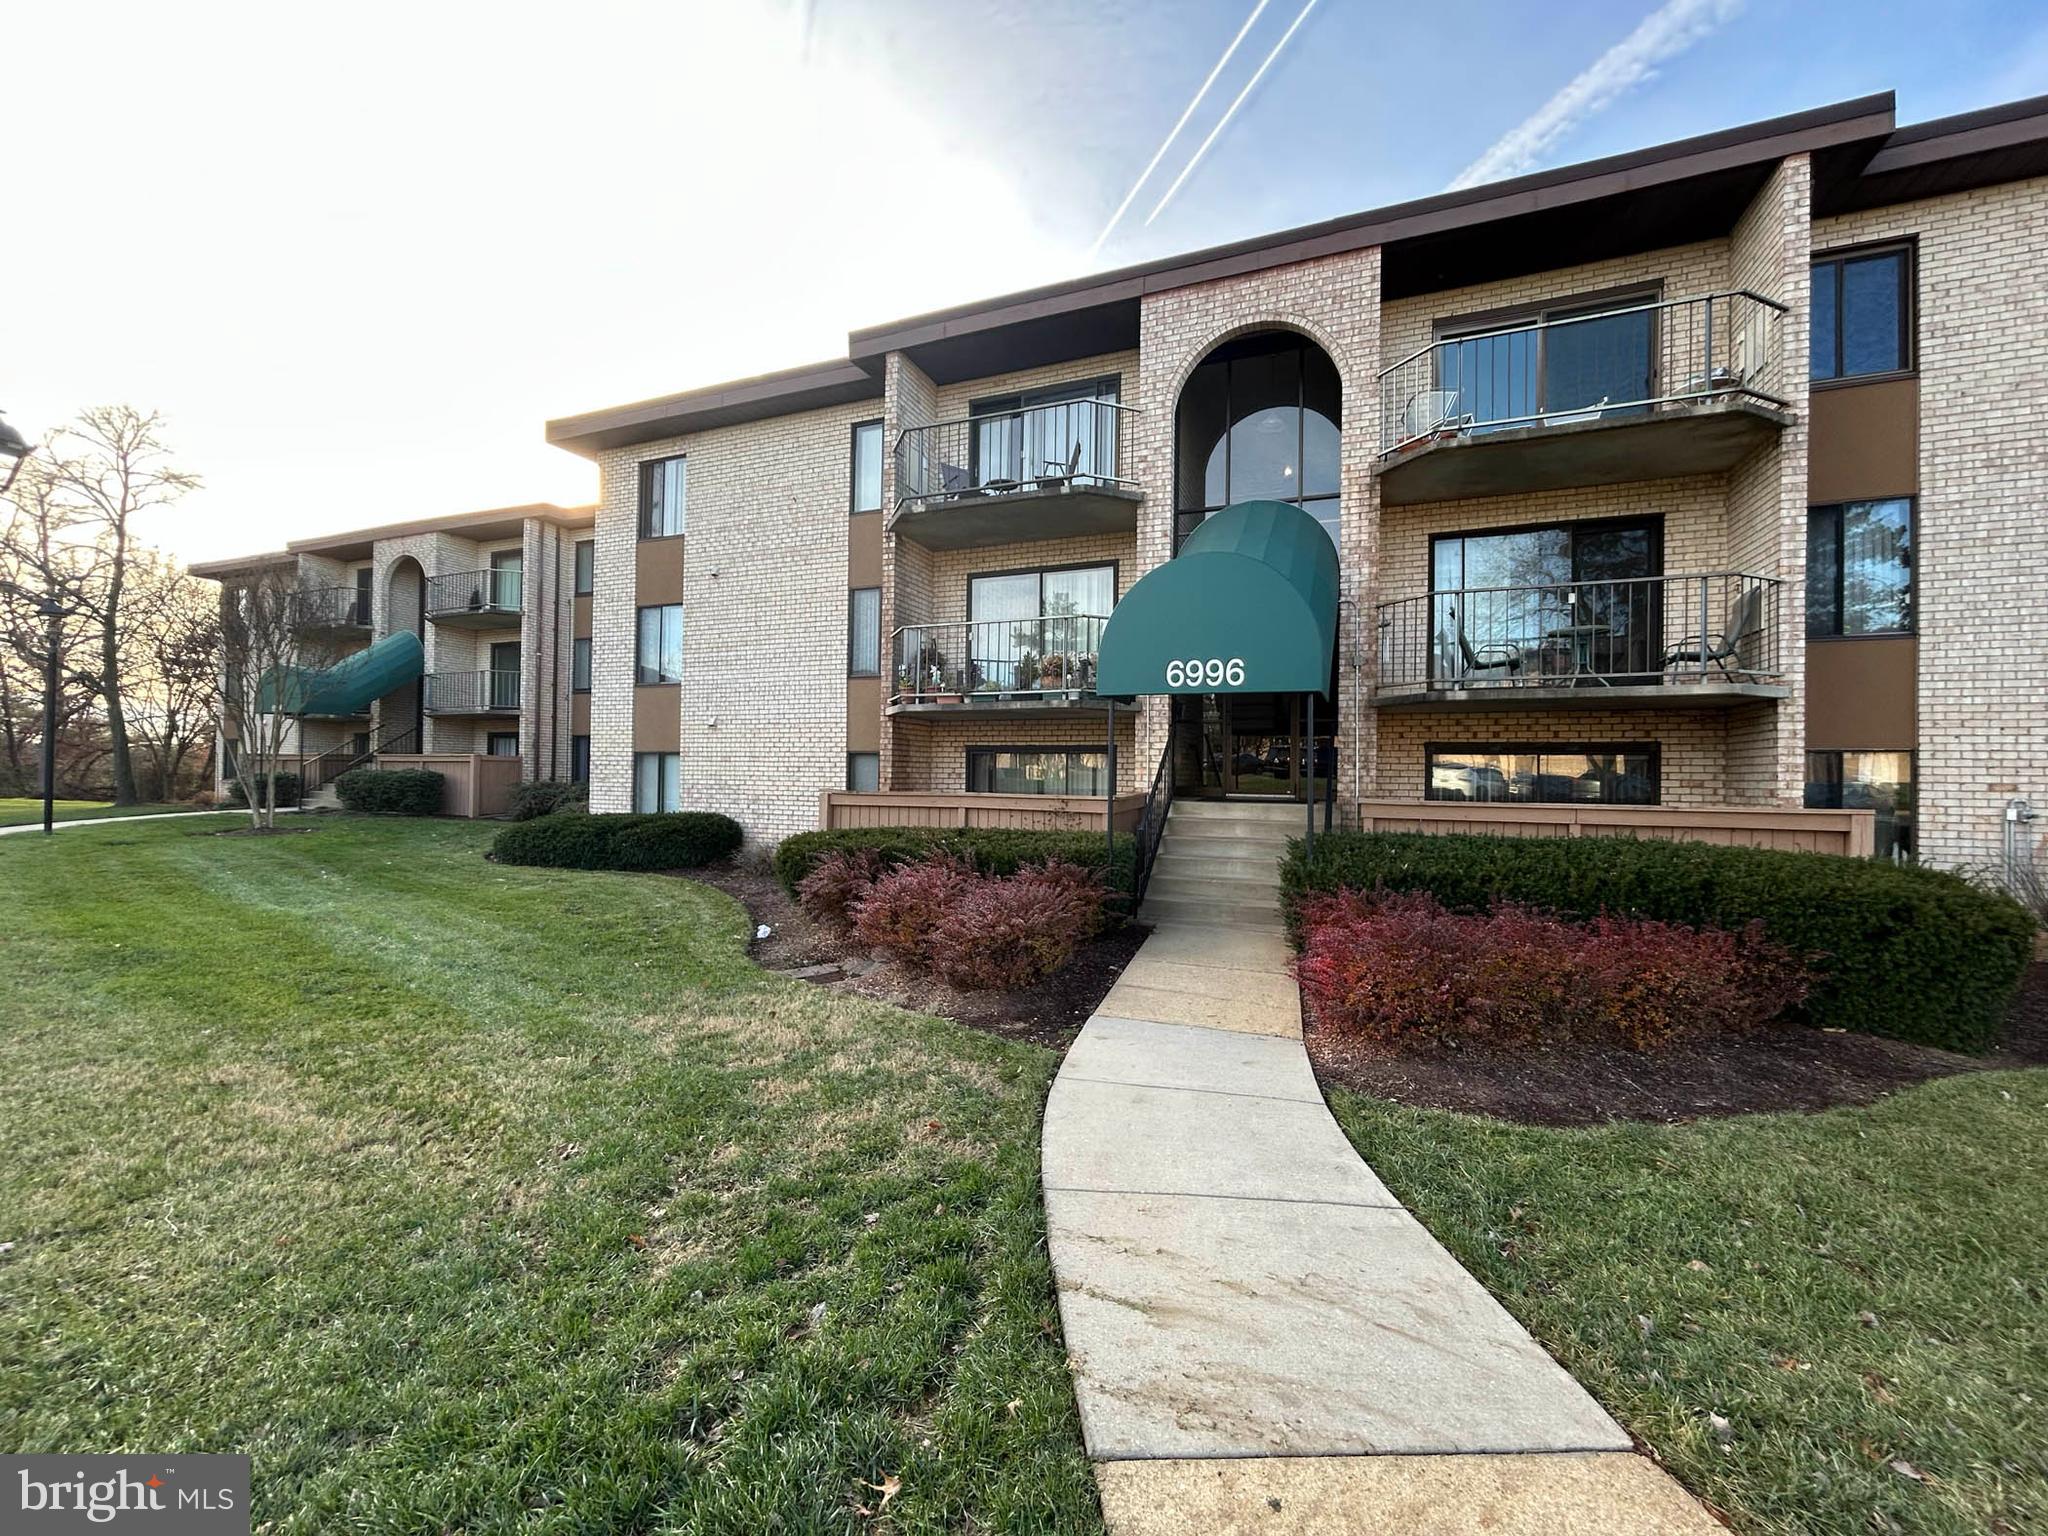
<point>811,387</point>
<point>239,565</point>
<point>1949,154</point>
<point>483,527</point>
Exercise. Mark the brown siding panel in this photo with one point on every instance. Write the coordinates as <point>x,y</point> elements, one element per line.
<point>579,714</point>
<point>1866,442</point>
<point>1860,694</point>
<point>864,550</point>
<point>658,718</point>
<point>863,714</point>
<point>658,572</point>
<point>579,618</point>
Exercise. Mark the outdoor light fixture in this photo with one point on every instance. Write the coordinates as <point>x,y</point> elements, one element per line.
<point>12,446</point>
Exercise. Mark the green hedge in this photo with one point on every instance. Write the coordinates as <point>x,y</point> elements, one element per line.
<point>543,797</point>
<point>391,791</point>
<point>287,790</point>
<point>576,840</point>
<point>1912,953</point>
<point>993,851</point>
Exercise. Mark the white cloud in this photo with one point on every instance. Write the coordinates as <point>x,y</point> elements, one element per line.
<point>1662,35</point>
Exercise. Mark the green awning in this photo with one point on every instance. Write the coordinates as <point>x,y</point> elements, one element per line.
<point>1248,606</point>
<point>350,686</point>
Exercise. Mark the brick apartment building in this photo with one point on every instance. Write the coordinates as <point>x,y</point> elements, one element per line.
<point>1694,491</point>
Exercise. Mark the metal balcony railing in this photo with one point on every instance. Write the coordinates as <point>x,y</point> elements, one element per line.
<point>493,591</point>
<point>1051,655</point>
<point>472,693</point>
<point>1066,445</point>
<point>1723,627</point>
<point>1631,360</point>
<point>333,608</point>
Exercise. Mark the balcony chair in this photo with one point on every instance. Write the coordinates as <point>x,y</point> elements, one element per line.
<point>1057,474</point>
<point>1505,658</point>
<point>1745,619</point>
<point>1429,412</point>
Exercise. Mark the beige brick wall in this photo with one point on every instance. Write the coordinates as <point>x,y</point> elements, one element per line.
<point>945,593</point>
<point>1981,541</point>
<point>933,751</point>
<point>763,699</point>
<point>1692,744</point>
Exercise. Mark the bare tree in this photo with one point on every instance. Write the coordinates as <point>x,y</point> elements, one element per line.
<point>42,560</point>
<point>269,656</point>
<point>171,642</point>
<point>104,471</point>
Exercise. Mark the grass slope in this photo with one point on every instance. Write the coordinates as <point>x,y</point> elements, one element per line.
<point>16,812</point>
<point>1862,1294</point>
<point>477,1198</point>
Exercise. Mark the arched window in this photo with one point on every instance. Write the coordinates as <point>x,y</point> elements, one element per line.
<point>1258,421</point>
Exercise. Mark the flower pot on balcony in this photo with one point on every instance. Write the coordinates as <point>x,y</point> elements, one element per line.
<point>1053,673</point>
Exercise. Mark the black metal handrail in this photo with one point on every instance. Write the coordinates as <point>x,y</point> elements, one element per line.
<point>1718,626</point>
<point>1058,446</point>
<point>333,608</point>
<point>473,693</point>
<point>1047,654</point>
<point>497,590</point>
<point>335,761</point>
<point>1152,820</point>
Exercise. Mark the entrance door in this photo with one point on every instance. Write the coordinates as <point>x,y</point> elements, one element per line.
<point>504,679</point>
<point>507,566</point>
<point>1250,746</point>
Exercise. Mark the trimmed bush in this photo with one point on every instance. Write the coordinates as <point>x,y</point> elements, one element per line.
<point>837,883</point>
<point>391,791</point>
<point>577,840</point>
<point>906,904</point>
<point>991,851</point>
<point>1898,950</point>
<point>1399,968</point>
<point>287,790</point>
<point>543,797</point>
<point>1000,934</point>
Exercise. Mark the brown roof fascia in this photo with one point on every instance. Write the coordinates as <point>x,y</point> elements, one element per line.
<point>220,570</point>
<point>769,394</point>
<point>471,522</point>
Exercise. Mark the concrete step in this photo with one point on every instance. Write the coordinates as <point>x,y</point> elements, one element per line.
<point>1271,849</point>
<point>1248,891</point>
<point>325,798</point>
<point>1243,831</point>
<point>1280,812</point>
<point>1198,864</point>
<point>1208,911</point>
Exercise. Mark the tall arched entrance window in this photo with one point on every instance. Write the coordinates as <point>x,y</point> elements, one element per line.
<point>1260,418</point>
<point>400,717</point>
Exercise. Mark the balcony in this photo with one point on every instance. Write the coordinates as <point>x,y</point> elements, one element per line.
<point>1034,666</point>
<point>337,611</point>
<point>1043,472</point>
<point>476,599</point>
<point>472,693</point>
<point>1643,642</point>
<point>1637,392</point>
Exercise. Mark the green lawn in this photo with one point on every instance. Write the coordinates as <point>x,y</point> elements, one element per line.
<point>16,812</point>
<point>491,1199</point>
<point>1846,1290</point>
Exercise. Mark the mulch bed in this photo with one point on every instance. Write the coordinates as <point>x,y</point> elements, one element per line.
<point>1049,1014</point>
<point>1785,1069</point>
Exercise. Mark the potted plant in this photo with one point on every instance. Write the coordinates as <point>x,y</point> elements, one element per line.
<point>939,688</point>
<point>1027,671</point>
<point>1052,672</point>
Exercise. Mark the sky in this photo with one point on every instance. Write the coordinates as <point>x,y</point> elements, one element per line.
<point>358,255</point>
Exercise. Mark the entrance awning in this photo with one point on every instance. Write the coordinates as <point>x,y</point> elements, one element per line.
<point>1248,606</point>
<point>351,686</point>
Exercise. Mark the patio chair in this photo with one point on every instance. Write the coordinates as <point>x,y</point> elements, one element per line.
<point>1056,473</point>
<point>1745,618</point>
<point>1429,412</point>
<point>953,480</point>
<point>1504,658</point>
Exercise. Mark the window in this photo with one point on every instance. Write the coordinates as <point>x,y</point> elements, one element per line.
<point>657,782</point>
<point>661,645</point>
<point>1869,781</point>
<point>579,664</point>
<point>579,759</point>
<point>867,467</point>
<point>1862,314</point>
<point>1036,771</point>
<point>1258,420</point>
<point>1593,586</point>
<point>864,772</point>
<point>501,743</point>
<point>506,568</point>
<point>664,497</point>
<point>864,632</point>
<point>364,578</point>
<point>586,566</point>
<point>1859,568</point>
<point>1543,774</point>
<point>1042,432</point>
<point>1028,630</point>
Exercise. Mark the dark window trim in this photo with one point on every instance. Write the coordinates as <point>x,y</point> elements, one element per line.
<point>880,646</point>
<point>1042,571</point>
<point>849,773</point>
<point>1654,521</point>
<point>584,737</point>
<point>1909,299</point>
<point>1654,750</point>
<point>1303,342</point>
<point>853,507</point>
<point>1068,748</point>
<point>576,568</point>
<point>666,682</point>
<point>1050,394</point>
<point>590,650</point>
<point>647,469</point>
<point>1841,573</point>
<point>1620,296</point>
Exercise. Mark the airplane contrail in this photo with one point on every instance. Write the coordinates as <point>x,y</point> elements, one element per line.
<point>1663,34</point>
<point>1165,143</point>
<point>1224,121</point>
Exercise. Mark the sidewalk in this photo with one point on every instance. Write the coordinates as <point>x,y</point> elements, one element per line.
<point>1262,1338</point>
<point>126,821</point>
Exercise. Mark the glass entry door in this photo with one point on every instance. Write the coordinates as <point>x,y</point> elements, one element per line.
<point>1251,746</point>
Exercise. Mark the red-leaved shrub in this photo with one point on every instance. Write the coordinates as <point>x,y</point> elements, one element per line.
<point>836,883</point>
<point>903,906</point>
<point>1067,893</point>
<point>1004,934</point>
<point>1399,968</point>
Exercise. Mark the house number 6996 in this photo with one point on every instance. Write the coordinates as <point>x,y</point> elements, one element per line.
<point>1194,672</point>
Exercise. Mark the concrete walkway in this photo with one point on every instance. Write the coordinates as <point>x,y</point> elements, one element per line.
<point>126,821</point>
<point>1261,1337</point>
